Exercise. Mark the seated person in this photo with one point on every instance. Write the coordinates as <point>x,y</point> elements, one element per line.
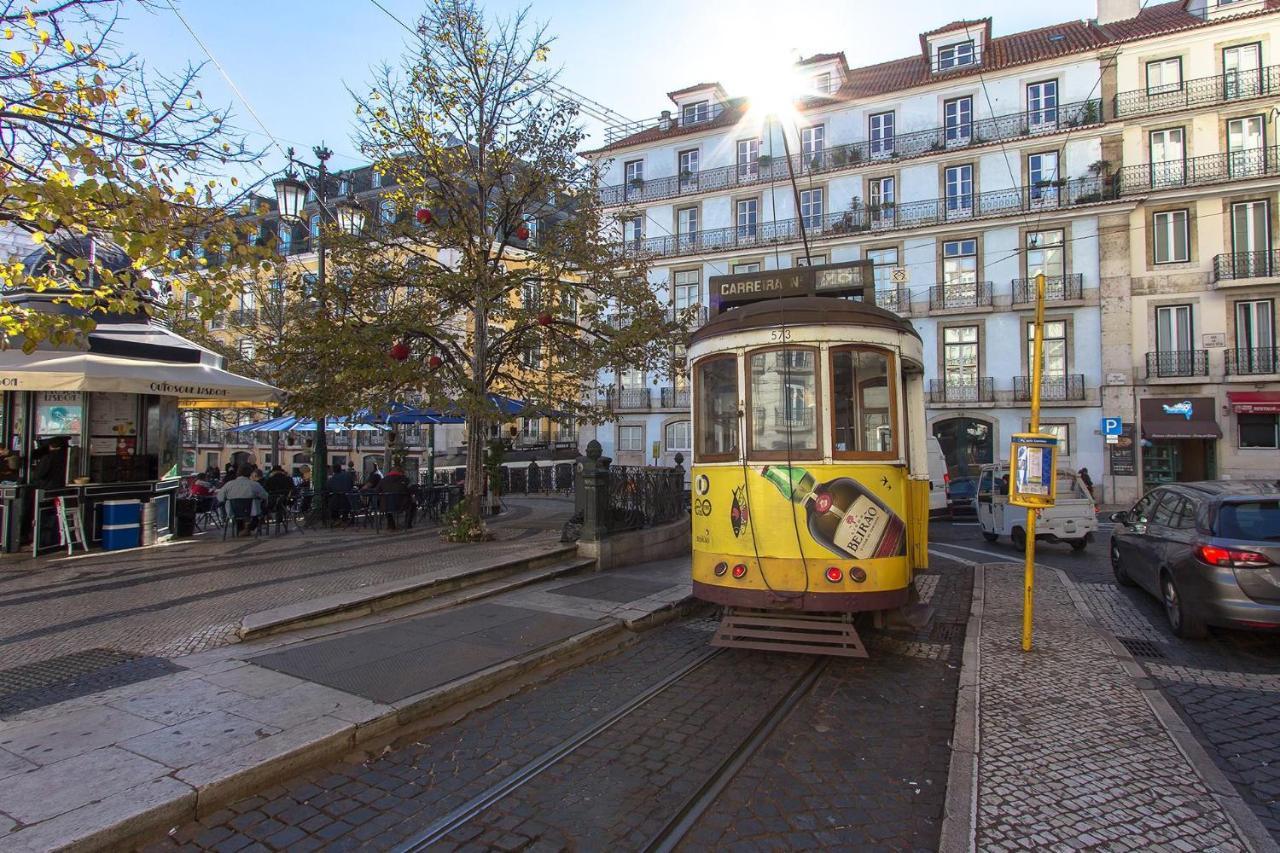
<point>279,486</point>
<point>244,486</point>
<point>339,485</point>
<point>202,488</point>
<point>396,483</point>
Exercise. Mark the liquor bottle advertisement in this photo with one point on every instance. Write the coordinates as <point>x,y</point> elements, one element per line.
<point>793,515</point>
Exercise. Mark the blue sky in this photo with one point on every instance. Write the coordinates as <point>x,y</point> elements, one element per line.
<point>292,59</point>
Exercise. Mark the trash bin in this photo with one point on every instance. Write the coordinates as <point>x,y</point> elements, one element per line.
<point>184,517</point>
<point>121,524</point>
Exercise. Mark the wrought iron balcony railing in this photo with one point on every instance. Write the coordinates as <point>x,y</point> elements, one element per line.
<point>675,398</point>
<point>972,294</point>
<point>1175,363</point>
<point>203,435</point>
<point>899,146</point>
<point>1057,288</point>
<point>861,219</point>
<point>1246,265</point>
<point>627,399</point>
<point>615,132</point>
<point>1200,171</point>
<point>242,317</point>
<point>1253,361</point>
<point>1203,91</point>
<point>980,389</point>
<point>1066,386</point>
<point>894,299</point>
<point>696,315</point>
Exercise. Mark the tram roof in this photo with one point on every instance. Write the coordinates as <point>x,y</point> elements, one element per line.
<point>802,311</point>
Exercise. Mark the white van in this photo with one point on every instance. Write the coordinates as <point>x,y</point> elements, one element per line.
<point>1071,519</point>
<point>937,478</point>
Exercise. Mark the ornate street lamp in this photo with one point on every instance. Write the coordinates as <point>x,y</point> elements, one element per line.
<point>291,195</point>
<point>351,216</point>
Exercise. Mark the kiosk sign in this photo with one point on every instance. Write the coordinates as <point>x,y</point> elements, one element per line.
<point>1034,457</point>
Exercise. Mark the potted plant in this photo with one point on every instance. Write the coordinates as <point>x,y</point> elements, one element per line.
<point>855,156</point>
<point>1099,167</point>
<point>1060,182</point>
<point>937,145</point>
<point>816,163</point>
<point>840,156</point>
<point>685,175</point>
<point>1092,112</point>
<point>637,183</point>
<point>764,161</point>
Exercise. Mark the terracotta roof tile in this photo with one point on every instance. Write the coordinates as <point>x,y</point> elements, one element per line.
<point>825,57</point>
<point>1000,52</point>
<point>959,25</point>
<point>692,88</point>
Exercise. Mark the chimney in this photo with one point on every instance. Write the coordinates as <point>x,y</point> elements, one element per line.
<point>1110,11</point>
<point>664,123</point>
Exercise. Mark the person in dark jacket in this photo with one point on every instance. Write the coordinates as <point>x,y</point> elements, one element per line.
<point>51,471</point>
<point>279,486</point>
<point>338,486</point>
<point>395,490</point>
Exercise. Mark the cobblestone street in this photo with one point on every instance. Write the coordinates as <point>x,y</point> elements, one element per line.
<point>1225,687</point>
<point>860,762</point>
<point>191,595</point>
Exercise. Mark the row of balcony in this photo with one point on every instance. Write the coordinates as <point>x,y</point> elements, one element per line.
<point>961,207</point>
<point>1188,364</point>
<point>645,399</point>
<point>980,294</point>
<point>1246,265</point>
<point>1244,165</point>
<point>889,148</point>
<point>1200,92</point>
<point>981,389</point>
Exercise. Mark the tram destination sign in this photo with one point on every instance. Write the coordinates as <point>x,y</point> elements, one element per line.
<point>850,278</point>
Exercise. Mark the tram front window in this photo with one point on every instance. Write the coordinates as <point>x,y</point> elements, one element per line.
<point>783,403</point>
<point>717,409</point>
<point>862,404</point>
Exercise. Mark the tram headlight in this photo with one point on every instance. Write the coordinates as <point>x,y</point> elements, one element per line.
<point>740,571</point>
<point>834,574</point>
<point>721,568</point>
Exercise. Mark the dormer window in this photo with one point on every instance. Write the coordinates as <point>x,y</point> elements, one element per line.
<point>822,83</point>
<point>695,113</point>
<point>956,55</point>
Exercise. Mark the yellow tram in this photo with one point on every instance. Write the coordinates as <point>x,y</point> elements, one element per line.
<point>809,485</point>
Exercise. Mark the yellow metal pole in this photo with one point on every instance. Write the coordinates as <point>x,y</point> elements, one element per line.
<point>1029,570</point>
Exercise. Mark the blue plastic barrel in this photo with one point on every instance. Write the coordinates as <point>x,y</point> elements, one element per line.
<point>121,524</point>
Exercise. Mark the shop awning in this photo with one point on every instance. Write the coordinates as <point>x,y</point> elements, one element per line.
<point>1255,402</point>
<point>1179,417</point>
<point>86,371</point>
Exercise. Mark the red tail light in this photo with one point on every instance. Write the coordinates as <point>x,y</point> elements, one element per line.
<point>720,569</point>
<point>740,571</point>
<point>1215,555</point>
<point>834,574</point>
<point>946,478</point>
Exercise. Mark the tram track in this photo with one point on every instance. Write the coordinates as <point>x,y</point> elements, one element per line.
<point>689,812</point>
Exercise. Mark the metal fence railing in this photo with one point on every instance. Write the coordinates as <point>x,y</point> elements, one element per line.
<point>644,496</point>
<point>1193,362</point>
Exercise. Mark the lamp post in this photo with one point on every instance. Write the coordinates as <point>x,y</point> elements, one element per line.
<point>291,198</point>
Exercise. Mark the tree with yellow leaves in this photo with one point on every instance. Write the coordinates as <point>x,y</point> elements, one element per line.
<point>92,143</point>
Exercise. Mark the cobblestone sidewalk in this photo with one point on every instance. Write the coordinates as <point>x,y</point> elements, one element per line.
<point>1071,754</point>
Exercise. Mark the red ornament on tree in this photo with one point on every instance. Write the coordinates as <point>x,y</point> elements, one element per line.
<point>522,232</point>
<point>435,361</point>
<point>424,216</point>
<point>400,351</point>
<point>544,319</point>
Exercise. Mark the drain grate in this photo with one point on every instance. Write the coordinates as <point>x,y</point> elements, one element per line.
<point>1140,648</point>
<point>35,685</point>
<point>946,632</point>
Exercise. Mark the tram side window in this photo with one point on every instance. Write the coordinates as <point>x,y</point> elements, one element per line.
<point>862,404</point>
<point>783,403</point>
<point>717,409</point>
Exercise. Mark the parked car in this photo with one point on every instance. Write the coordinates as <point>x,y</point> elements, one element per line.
<point>960,494</point>
<point>1209,551</point>
<point>937,478</point>
<point>1071,519</point>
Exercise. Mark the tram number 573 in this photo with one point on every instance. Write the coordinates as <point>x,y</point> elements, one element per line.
<point>780,335</point>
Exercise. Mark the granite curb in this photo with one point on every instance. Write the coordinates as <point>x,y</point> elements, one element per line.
<point>1246,823</point>
<point>959,819</point>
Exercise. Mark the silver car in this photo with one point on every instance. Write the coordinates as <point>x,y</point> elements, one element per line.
<point>1209,551</point>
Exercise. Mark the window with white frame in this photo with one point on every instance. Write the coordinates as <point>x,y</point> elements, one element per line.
<point>1242,71</point>
<point>748,214</point>
<point>960,356</point>
<point>284,233</point>
<point>960,262</point>
<point>1042,172</point>
<point>689,164</point>
<point>679,436</point>
<point>632,176</point>
<point>530,222</point>
<point>887,293</point>
<point>880,197</point>
<point>1062,432</point>
<point>375,179</point>
<point>531,429</point>
<point>686,288</point>
<point>387,211</point>
<point>1044,254</point>
<point>956,55</point>
<point>569,303</point>
<point>957,119</point>
<point>1042,103</point>
<point>958,181</point>
<point>630,438</point>
<point>1164,75</point>
<point>531,356</point>
<point>633,230</point>
<point>1171,241</point>
<point>567,429</point>
<point>246,348</point>
<point>344,186</point>
<point>741,268</point>
<point>698,111</point>
<point>687,222</point>
<point>810,260</point>
<point>822,83</point>
<point>1054,355</point>
<point>811,207</point>
<point>748,157</point>
<point>813,141</point>
<point>315,225</point>
<point>881,133</point>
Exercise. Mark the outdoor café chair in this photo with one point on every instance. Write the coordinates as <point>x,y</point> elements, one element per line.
<point>239,510</point>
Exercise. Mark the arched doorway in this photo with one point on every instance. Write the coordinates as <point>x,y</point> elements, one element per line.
<point>967,444</point>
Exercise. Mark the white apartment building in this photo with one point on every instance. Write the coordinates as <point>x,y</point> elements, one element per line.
<point>972,164</point>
